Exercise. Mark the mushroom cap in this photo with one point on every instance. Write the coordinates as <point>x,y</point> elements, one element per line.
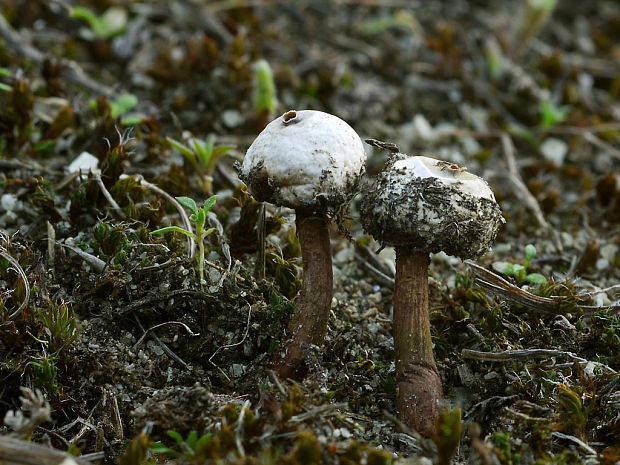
<point>304,160</point>
<point>429,205</point>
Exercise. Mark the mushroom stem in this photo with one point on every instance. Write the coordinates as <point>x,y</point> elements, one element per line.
<point>309,323</point>
<point>419,385</point>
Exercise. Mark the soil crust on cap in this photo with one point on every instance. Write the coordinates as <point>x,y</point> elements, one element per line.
<point>426,215</point>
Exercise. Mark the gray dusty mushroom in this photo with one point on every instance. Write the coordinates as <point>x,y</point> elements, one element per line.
<point>421,205</point>
<point>309,161</point>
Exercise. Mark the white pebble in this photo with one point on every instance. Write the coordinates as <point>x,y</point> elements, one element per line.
<point>231,118</point>
<point>83,162</point>
<point>237,369</point>
<point>608,252</point>
<point>554,150</point>
<point>602,264</point>
<point>8,202</point>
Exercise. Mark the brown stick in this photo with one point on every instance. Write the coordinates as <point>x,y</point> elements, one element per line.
<point>309,323</point>
<point>419,385</point>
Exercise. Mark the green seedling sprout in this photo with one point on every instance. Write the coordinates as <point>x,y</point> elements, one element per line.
<point>203,155</point>
<point>448,435</point>
<point>265,100</point>
<point>187,447</point>
<point>494,58</point>
<point>121,107</point>
<point>110,24</point>
<point>551,114</point>
<point>519,272</point>
<point>403,20</point>
<point>4,72</point>
<point>199,218</point>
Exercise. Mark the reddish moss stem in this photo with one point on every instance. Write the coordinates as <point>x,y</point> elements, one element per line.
<point>309,323</point>
<point>419,385</point>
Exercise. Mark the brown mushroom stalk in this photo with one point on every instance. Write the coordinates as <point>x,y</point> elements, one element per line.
<point>308,325</point>
<point>421,205</point>
<point>419,385</point>
<point>309,161</point>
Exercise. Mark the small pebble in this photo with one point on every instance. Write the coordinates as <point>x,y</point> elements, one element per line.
<point>155,348</point>
<point>554,150</point>
<point>608,252</point>
<point>237,369</point>
<point>567,239</point>
<point>470,146</point>
<point>83,162</point>
<point>231,118</point>
<point>214,275</point>
<point>422,128</point>
<point>8,202</point>
<point>602,264</point>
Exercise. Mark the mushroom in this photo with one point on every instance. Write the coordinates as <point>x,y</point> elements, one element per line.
<point>309,161</point>
<point>421,205</point>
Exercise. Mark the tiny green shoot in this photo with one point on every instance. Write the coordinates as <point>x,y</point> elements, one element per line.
<point>203,155</point>
<point>519,272</point>
<point>60,327</point>
<point>265,92</point>
<point>121,107</point>
<point>402,19</point>
<point>123,104</point>
<point>4,72</point>
<point>110,24</point>
<point>187,447</point>
<point>495,60</point>
<point>46,371</point>
<point>448,435</point>
<point>551,114</point>
<point>199,218</point>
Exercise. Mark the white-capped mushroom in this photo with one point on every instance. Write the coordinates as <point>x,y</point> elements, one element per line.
<point>421,205</point>
<point>309,161</point>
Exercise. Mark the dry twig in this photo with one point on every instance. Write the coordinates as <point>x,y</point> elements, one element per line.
<point>318,410</point>
<point>167,323</point>
<point>186,223</point>
<point>95,262</point>
<point>527,354</point>
<point>164,347</point>
<point>22,274</point>
<point>72,71</point>
<point>228,346</point>
<point>148,301</point>
<point>497,285</point>
<point>601,144</point>
<point>577,441</point>
<point>108,196</point>
<point>595,66</point>
<point>523,192</point>
<point>17,452</point>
